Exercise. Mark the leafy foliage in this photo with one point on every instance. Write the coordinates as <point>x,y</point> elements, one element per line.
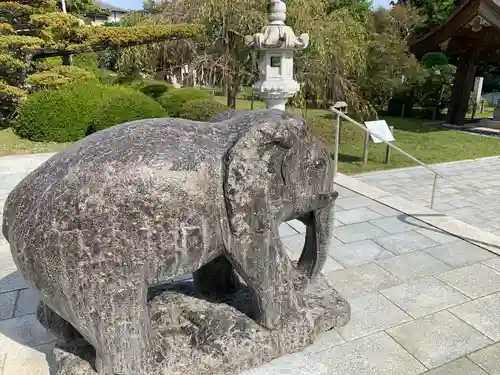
<point>432,59</point>
<point>74,111</point>
<point>58,76</point>
<point>123,105</point>
<point>202,109</point>
<point>152,88</point>
<point>10,98</point>
<point>174,99</point>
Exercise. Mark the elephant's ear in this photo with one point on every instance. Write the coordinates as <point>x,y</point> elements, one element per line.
<point>249,174</point>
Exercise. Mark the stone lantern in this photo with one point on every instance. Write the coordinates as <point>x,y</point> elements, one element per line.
<point>277,44</point>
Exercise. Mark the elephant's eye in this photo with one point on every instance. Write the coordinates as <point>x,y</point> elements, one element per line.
<point>319,163</point>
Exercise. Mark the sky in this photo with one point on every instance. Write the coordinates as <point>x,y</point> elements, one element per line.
<point>137,4</point>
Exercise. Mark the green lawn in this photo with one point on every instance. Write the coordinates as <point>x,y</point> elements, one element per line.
<point>11,144</point>
<point>426,143</point>
<point>429,144</point>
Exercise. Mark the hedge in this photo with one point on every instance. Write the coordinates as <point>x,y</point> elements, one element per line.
<point>202,109</point>
<point>58,76</point>
<point>73,111</point>
<point>151,88</point>
<point>174,99</point>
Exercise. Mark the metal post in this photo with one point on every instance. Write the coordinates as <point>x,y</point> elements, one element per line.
<point>337,145</point>
<point>365,148</point>
<point>389,148</point>
<point>434,190</point>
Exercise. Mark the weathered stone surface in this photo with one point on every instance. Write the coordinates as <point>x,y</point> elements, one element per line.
<point>193,335</point>
<point>98,227</point>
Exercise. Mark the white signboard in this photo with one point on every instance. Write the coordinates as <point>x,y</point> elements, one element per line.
<point>380,128</point>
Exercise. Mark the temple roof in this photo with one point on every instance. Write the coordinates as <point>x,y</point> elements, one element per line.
<point>474,27</point>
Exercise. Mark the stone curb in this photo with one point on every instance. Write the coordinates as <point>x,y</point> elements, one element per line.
<point>451,225</point>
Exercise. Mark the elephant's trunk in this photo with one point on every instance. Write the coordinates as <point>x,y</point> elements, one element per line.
<point>319,224</point>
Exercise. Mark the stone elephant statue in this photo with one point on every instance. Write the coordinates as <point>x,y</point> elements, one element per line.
<point>136,204</point>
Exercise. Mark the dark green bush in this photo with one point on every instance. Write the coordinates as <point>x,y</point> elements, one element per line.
<point>124,104</point>
<point>432,59</point>
<point>152,88</point>
<point>174,99</point>
<point>76,110</point>
<point>202,109</point>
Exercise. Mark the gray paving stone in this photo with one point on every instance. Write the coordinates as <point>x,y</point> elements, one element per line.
<point>460,253</point>
<point>438,338</point>
<point>11,281</point>
<point>370,314</point>
<point>482,314</point>
<point>493,263</point>
<point>25,330</point>
<point>383,210</point>
<point>357,253</point>
<point>354,202</point>
<point>474,281</point>
<point>358,232</point>
<point>406,242</point>
<point>398,224</point>
<point>27,303</point>
<point>292,364</point>
<point>365,279</point>
<point>414,265</point>
<point>297,225</point>
<point>345,193</point>
<point>286,230</point>
<point>461,366</point>
<point>324,341</point>
<point>488,359</point>
<point>438,235</point>
<point>424,297</point>
<point>373,355</point>
<point>356,215</point>
<point>7,304</point>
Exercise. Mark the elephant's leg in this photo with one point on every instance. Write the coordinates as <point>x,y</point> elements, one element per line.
<point>216,278</point>
<point>268,272</point>
<point>123,330</point>
<point>53,322</point>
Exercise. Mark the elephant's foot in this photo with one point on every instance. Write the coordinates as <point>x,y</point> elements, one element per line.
<point>216,279</point>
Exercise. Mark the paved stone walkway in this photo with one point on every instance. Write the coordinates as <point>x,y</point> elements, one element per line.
<point>470,190</point>
<point>422,301</point>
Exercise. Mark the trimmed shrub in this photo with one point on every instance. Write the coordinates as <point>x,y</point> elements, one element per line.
<point>432,59</point>
<point>123,104</point>
<point>202,109</point>
<point>174,99</point>
<point>73,111</point>
<point>152,88</point>
<point>58,76</point>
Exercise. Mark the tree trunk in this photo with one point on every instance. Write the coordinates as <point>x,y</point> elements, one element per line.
<point>232,90</point>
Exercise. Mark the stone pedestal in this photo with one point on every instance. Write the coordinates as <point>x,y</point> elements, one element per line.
<point>193,335</point>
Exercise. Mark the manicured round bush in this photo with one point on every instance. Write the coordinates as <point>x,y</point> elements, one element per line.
<point>76,110</point>
<point>123,104</point>
<point>432,59</point>
<point>202,109</point>
<point>151,87</point>
<point>174,99</point>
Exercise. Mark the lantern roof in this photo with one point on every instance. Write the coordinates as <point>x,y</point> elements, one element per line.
<point>277,35</point>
